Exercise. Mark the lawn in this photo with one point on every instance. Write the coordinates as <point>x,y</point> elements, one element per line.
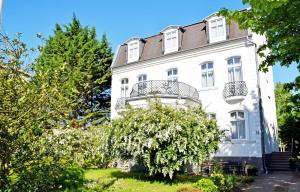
<point>116,180</point>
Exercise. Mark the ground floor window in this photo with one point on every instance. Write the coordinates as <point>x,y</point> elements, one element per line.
<point>238,129</point>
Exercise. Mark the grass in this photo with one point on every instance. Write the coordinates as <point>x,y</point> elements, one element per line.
<point>116,180</point>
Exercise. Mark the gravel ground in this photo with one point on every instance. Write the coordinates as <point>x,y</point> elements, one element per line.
<point>275,182</point>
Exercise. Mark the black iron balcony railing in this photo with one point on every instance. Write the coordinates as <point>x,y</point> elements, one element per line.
<point>121,103</point>
<point>236,88</point>
<point>162,87</point>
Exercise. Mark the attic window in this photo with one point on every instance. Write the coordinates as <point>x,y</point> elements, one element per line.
<point>217,29</point>
<point>171,40</point>
<point>133,51</point>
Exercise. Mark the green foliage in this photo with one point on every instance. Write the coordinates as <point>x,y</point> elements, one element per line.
<point>81,64</point>
<point>206,185</point>
<point>225,183</point>
<point>49,177</point>
<point>288,113</point>
<point>40,149</point>
<point>164,138</point>
<point>283,38</point>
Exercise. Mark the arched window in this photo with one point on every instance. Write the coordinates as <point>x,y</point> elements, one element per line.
<point>238,129</point>
<point>207,74</point>
<point>124,87</point>
<point>234,69</point>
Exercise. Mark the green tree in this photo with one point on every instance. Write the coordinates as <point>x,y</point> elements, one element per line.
<point>165,138</point>
<point>288,114</point>
<point>83,65</point>
<point>278,21</point>
<point>27,109</point>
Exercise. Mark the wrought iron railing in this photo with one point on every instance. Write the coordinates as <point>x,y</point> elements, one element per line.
<point>121,103</point>
<point>162,87</point>
<point>236,88</point>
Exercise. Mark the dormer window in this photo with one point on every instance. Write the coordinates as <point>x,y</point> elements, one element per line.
<point>133,51</point>
<point>171,40</point>
<point>217,29</point>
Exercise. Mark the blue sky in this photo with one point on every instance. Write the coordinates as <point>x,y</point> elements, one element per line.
<point>119,19</point>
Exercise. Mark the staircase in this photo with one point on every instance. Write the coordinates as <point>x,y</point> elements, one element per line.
<point>279,161</point>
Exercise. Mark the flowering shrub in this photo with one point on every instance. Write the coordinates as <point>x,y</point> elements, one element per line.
<point>164,138</point>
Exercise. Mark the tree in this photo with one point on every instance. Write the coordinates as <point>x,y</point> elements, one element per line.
<point>165,138</point>
<point>37,151</point>
<point>278,21</point>
<point>288,114</point>
<point>83,65</point>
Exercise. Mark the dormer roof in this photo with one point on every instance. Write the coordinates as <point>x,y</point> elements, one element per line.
<point>193,36</point>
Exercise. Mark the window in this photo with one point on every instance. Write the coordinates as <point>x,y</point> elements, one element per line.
<point>211,116</point>
<point>171,40</point>
<point>142,82</point>
<point>172,75</point>
<point>238,125</point>
<point>234,69</point>
<point>133,51</point>
<point>124,87</point>
<point>207,74</point>
<point>217,29</point>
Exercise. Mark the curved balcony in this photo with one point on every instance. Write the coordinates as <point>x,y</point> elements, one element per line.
<point>235,91</point>
<point>164,88</point>
<point>121,103</point>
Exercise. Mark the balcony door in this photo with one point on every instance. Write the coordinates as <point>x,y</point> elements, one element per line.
<point>172,82</point>
<point>234,75</point>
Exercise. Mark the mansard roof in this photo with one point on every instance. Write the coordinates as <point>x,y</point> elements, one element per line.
<point>193,36</point>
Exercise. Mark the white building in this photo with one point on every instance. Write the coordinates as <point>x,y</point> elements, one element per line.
<point>209,62</point>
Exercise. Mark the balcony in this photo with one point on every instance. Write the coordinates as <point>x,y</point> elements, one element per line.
<point>170,91</point>
<point>235,91</point>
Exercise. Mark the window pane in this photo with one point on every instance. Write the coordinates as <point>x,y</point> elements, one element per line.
<point>174,71</point>
<point>237,60</point>
<point>234,134</point>
<point>241,129</point>
<point>210,79</point>
<point>203,66</point>
<point>204,80</point>
<point>210,66</point>
<point>169,73</point>
<point>230,74</point>
<point>241,115</point>
<point>238,74</point>
<point>230,61</point>
<point>233,115</point>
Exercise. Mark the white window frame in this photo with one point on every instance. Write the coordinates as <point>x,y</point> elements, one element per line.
<point>142,81</point>
<point>171,41</point>
<point>236,120</point>
<point>124,87</point>
<point>211,25</point>
<point>133,51</point>
<point>172,75</point>
<point>212,116</point>
<point>234,66</point>
<point>206,71</point>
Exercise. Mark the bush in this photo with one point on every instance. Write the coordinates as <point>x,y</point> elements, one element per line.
<point>51,177</point>
<point>206,185</point>
<point>225,183</point>
<point>165,138</point>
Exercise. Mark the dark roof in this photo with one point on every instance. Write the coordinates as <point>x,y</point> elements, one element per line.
<point>194,36</point>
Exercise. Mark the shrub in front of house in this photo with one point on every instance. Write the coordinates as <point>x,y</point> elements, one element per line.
<point>165,138</point>
<point>206,185</point>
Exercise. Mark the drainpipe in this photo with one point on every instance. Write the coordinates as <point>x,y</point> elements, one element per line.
<point>261,116</point>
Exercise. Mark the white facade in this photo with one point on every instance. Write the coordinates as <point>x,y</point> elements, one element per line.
<point>188,65</point>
